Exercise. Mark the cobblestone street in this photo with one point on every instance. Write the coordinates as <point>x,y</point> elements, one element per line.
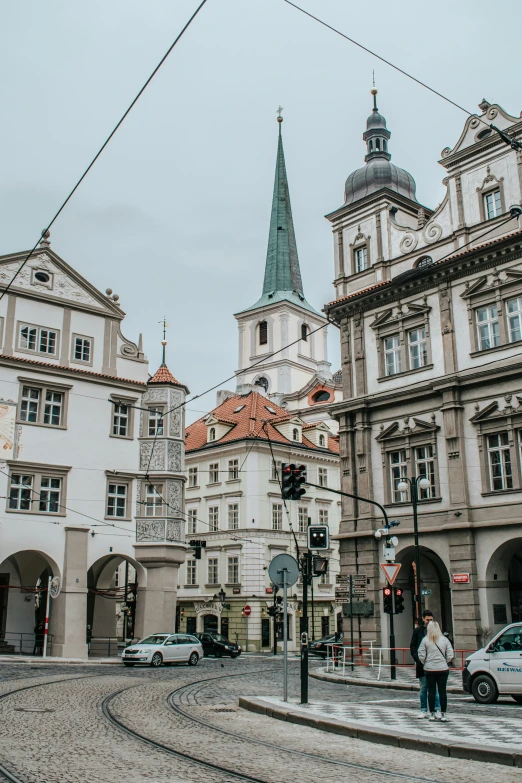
<point>73,724</point>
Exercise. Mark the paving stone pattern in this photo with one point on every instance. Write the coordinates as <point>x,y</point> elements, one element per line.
<point>75,743</point>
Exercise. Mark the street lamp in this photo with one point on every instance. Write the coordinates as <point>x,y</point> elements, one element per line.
<point>415,483</point>
<point>221,596</point>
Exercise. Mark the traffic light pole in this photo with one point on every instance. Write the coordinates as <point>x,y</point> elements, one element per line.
<point>393,673</point>
<point>306,568</point>
<point>354,497</point>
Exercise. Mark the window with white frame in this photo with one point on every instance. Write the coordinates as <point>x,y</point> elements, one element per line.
<point>153,500</point>
<point>324,579</point>
<point>233,570</point>
<point>276,470</point>
<point>302,518</point>
<point>121,421</point>
<point>304,332</point>
<point>213,571</point>
<point>193,477</point>
<point>398,471</point>
<point>233,469</point>
<point>212,433</point>
<point>392,354</point>
<point>323,516</point>
<point>37,339</point>
<point>37,493</point>
<point>514,319</point>
<point>263,333</point>
<point>42,405</point>
<point>492,204</point>
<point>117,500</point>
<point>488,331</point>
<point>322,475</point>
<point>192,521</point>
<point>322,440</point>
<point>192,572</point>
<point>155,424</point>
<point>213,518</point>
<point>277,516</point>
<point>417,348</point>
<point>425,468</point>
<point>233,516</point>
<point>295,434</point>
<point>361,259</point>
<point>82,349</point>
<point>499,461</point>
<point>213,473</point>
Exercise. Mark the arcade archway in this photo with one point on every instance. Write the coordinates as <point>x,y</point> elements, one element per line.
<point>504,585</point>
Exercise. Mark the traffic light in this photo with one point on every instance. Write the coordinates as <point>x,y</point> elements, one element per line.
<point>318,537</point>
<point>293,477</point>
<point>287,483</point>
<point>399,600</point>
<point>320,566</point>
<point>387,594</point>
<point>196,546</point>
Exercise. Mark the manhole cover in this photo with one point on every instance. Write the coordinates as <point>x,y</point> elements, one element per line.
<point>32,709</point>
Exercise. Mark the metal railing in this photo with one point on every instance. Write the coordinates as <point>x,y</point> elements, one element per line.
<point>15,643</point>
<point>107,646</point>
<point>341,655</point>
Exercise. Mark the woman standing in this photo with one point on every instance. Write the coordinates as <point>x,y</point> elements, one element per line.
<point>435,653</point>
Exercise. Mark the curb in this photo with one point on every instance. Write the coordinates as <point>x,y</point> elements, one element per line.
<point>398,686</point>
<point>50,661</point>
<point>440,747</point>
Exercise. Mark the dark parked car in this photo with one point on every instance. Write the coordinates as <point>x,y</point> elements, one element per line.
<point>218,645</point>
<point>319,646</point>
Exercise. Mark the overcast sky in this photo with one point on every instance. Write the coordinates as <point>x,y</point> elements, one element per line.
<point>174,217</point>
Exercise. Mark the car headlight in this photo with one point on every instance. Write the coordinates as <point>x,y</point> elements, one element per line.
<point>466,664</point>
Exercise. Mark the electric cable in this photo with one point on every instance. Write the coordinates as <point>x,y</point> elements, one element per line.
<point>503,135</point>
<point>104,145</point>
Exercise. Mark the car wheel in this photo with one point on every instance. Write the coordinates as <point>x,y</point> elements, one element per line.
<point>128,664</point>
<point>194,659</point>
<point>517,697</point>
<point>157,659</point>
<point>484,690</point>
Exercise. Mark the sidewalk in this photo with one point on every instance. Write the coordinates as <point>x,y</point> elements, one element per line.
<point>465,736</point>
<point>366,675</point>
<point>37,660</point>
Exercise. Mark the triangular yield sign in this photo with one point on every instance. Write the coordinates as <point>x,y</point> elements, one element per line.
<point>390,571</point>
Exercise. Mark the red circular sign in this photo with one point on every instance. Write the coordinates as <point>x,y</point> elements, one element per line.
<point>247,611</point>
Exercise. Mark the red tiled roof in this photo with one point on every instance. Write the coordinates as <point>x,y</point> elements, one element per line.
<point>248,423</point>
<point>164,375</point>
<point>441,261</point>
<point>78,370</point>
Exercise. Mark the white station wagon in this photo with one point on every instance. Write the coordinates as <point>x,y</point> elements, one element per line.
<point>164,648</point>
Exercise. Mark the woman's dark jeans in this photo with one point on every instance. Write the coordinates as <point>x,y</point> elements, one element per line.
<point>437,681</point>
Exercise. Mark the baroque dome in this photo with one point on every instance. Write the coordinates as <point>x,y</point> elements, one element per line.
<point>378,172</point>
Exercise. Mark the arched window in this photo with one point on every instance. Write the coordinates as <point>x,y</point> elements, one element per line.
<point>321,396</point>
<point>295,434</point>
<point>304,331</point>
<point>263,382</point>
<point>263,333</point>
<point>384,145</point>
<point>212,434</point>
<point>321,440</point>
<point>371,145</point>
<point>377,144</point>
<point>424,261</point>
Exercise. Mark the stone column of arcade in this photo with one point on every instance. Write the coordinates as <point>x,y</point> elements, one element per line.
<point>156,601</point>
<point>69,610</point>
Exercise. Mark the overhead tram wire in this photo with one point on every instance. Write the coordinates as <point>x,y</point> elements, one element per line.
<point>503,135</point>
<point>104,145</point>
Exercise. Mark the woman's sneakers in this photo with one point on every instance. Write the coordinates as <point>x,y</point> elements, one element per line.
<point>432,716</point>
<point>438,716</point>
<point>422,715</point>
<point>443,718</point>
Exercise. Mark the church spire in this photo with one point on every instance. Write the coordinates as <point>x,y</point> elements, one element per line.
<point>282,271</point>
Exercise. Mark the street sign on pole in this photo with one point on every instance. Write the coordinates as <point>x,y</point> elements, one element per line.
<point>390,571</point>
<point>247,611</point>
<point>284,572</point>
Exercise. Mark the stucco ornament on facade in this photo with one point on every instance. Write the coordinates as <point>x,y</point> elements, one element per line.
<point>157,460</point>
<point>176,399</point>
<point>208,608</point>
<point>174,496</point>
<point>150,530</point>
<point>155,395</point>
<point>174,456</point>
<point>63,285</point>
<point>175,530</point>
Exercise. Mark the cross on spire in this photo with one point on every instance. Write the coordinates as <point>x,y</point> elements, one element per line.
<point>164,341</point>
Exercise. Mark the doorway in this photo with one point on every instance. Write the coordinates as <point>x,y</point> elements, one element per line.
<point>210,623</point>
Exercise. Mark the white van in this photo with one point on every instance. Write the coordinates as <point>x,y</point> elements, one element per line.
<point>497,668</point>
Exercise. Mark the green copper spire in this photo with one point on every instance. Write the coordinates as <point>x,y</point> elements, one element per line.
<point>282,271</point>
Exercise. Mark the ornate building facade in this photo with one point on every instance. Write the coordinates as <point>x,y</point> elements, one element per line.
<point>429,304</point>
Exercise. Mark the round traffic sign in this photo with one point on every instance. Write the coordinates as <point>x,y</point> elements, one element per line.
<point>247,611</point>
<point>281,564</point>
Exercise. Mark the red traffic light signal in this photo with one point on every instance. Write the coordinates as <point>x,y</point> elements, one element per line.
<point>399,600</point>
<point>387,600</point>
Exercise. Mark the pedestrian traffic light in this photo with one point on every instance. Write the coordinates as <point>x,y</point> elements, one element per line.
<point>399,600</point>
<point>287,482</point>
<point>320,566</point>
<point>293,477</point>
<point>387,594</point>
<point>318,537</point>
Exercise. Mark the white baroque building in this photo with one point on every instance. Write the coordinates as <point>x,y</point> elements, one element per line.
<point>429,304</point>
<point>91,463</point>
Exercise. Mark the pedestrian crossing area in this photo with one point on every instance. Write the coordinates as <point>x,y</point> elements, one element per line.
<point>500,731</point>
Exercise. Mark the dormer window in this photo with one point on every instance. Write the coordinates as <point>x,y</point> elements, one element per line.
<point>321,396</point>
<point>212,433</point>
<point>304,331</point>
<point>295,434</point>
<point>263,333</point>
<point>322,440</point>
